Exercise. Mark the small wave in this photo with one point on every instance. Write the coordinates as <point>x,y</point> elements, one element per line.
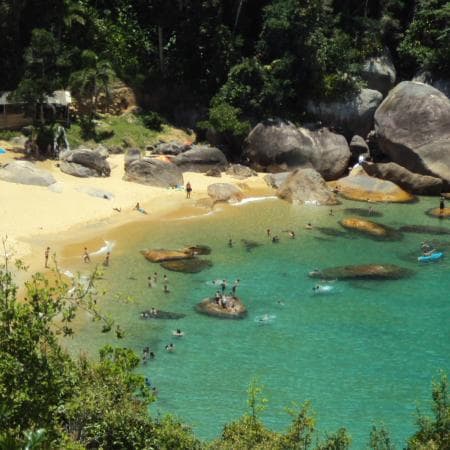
<point>109,245</point>
<point>323,289</point>
<point>265,319</point>
<point>254,199</point>
<point>209,213</point>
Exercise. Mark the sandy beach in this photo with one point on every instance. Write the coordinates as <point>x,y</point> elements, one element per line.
<point>33,217</point>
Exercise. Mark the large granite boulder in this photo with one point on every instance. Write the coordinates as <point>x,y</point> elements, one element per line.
<point>240,171</point>
<point>358,146</point>
<point>353,115</point>
<point>201,159</point>
<point>441,84</point>
<point>412,126</point>
<point>275,180</point>
<point>131,155</point>
<point>363,271</point>
<point>409,181</point>
<point>276,142</point>
<point>153,172</point>
<point>25,172</point>
<point>224,192</point>
<point>170,148</point>
<point>94,160</point>
<point>379,73</point>
<point>366,188</point>
<point>306,186</point>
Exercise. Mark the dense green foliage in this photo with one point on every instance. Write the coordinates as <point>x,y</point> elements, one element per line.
<point>247,59</point>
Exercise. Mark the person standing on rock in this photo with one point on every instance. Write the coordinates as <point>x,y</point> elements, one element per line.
<point>188,190</point>
<point>47,254</point>
<point>441,205</point>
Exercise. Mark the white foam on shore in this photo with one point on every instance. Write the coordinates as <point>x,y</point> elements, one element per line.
<point>209,213</point>
<point>109,245</point>
<point>254,199</point>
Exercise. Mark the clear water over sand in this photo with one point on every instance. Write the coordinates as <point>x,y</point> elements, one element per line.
<point>364,353</point>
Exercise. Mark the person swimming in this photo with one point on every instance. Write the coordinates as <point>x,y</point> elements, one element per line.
<point>322,288</point>
<point>177,333</point>
<point>170,347</point>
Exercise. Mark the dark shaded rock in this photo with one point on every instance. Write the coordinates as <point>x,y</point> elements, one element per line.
<point>77,170</point>
<point>170,148</point>
<point>379,73</point>
<point>159,314</point>
<point>132,154</point>
<point>363,271</point>
<point>249,244</point>
<point>240,171</point>
<point>193,265</point>
<point>366,188</point>
<point>306,186</point>
<point>211,308</point>
<point>25,172</point>
<point>275,180</point>
<point>198,249</point>
<point>353,115</point>
<point>439,83</point>
<point>153,172</point>
<point>214,172</point>
<point>276,142</point>
<point>370,228</point>
<point>160,255</point>
<point>424,229</point>
<point>358,146</point>
<point>91,159</point>
<point>224,192</point>
<point>363,212</point>
<point>201,159</point>
<point>412,126</point>
<point>409,181</point>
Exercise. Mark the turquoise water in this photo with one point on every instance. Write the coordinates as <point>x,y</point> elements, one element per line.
<point>365,353</point>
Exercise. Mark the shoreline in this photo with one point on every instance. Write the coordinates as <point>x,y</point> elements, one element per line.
<point>34,217</point>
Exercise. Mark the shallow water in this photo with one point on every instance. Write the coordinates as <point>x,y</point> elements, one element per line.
<point>363,353</point>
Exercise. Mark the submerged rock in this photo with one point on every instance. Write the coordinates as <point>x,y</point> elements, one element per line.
<point>211,308</point>
<point>158,314</point>
<point>192,265</point>
<point>363,271</point>
<point>363,212</point>
<point>160,255</point>
<point>250,245</point>
<point>333,232</point>
<point>370,228</point>
<point>424,229</point>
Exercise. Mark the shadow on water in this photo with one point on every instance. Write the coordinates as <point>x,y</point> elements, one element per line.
<point>424,229</point>
<point>328,231</point>
<point>249,245</point>
<point>362,212</point>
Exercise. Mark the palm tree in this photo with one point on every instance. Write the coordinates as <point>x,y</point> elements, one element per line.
<point>94,78</point>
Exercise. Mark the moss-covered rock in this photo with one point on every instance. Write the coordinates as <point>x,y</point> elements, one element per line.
<point>363,271</point>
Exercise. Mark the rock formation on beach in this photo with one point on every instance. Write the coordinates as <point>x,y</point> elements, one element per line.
<point>306,186</point>
<point>278,142</point>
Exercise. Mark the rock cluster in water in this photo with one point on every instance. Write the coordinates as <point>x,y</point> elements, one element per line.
<point>363,271</point>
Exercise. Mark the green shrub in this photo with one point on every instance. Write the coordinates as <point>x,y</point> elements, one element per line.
<point>152,120</point>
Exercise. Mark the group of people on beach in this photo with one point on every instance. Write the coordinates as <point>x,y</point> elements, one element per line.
<point>220,297</point>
